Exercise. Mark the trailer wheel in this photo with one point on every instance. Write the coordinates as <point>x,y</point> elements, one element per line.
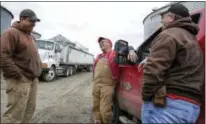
<point>67,72</point>
<point>71,70</point>
<point>89,68</point>
<point>50,75</point>
<point>74,70</point>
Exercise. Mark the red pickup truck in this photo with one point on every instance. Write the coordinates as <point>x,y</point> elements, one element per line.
<point>128,100</point>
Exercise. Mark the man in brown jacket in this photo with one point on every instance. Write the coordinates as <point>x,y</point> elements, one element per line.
<point>175,64</point>
<point>21,67</point>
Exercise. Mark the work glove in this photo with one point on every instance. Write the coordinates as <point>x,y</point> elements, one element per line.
<point>160,98</point>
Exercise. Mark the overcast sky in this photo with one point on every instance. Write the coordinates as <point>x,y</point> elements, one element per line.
<point>86,21</point>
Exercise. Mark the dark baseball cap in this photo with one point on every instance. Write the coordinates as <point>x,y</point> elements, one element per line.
<point>177,9</point>
<point>30,14</point>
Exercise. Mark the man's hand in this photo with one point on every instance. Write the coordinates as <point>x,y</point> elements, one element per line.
<point>142,64</point>
<point>132,56</point>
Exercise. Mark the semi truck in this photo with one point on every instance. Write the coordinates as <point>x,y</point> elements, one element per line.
<point>128,99</point>
<point>62,60</point>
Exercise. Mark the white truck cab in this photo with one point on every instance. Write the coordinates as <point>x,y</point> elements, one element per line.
<point>64,60</point>
<point>49,52</point>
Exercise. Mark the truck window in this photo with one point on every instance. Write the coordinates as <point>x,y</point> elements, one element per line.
<point>46,45</point>
<point>143,50</point>
<point>196,18</point>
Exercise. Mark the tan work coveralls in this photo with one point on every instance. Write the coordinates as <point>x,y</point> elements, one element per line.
<point>103,88</point>
<point>21,95</point>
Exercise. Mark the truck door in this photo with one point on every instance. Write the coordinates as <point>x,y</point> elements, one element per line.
<point>129,91</point>
<point>131,88</point>
<point>57,54</point>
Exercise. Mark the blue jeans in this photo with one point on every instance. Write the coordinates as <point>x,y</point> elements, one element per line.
<point>177,111</point>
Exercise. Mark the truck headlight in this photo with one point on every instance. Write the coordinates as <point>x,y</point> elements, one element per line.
<point>44,65</point>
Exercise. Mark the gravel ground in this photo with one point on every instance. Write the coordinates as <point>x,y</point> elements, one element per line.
<point>65,100</point>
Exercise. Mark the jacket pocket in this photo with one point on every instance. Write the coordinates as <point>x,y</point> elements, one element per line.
<point>34,67</point>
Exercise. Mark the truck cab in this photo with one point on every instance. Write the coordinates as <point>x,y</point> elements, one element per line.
<point>49,52</point>
<point>128,99</point>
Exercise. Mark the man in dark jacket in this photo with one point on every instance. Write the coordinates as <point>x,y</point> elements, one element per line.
<point>175,64</point>
<point>21,67</point>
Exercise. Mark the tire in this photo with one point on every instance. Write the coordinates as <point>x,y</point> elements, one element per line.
<point>90,69</point>
<point>117,113</point>
<point>50,76</point>
<point>67,73</point>
<point>71,71</point>
<point>74,70</point>
<point>139,121</point>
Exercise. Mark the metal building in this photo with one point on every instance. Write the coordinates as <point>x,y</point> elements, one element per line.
<point>153,21</point>
<point>36,35</point>
<point>6,18</point>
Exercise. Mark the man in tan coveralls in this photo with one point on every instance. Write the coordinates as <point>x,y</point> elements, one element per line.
<point>106,73</point>
<point>21,66</point>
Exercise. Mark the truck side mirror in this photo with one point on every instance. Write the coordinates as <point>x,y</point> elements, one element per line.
<point>121,47</point>
<point>58,49</point>
<point>122,50</point>
<point>61,47</point>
